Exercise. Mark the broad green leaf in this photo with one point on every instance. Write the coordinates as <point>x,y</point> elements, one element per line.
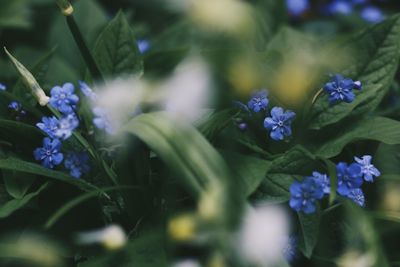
<point>387,159</point>
<point>250,171</point>
<point>275,187</point>
<point>116,51</point>
<point>182,148</point>
<point>309,232</point>
<point>17,183</point>
<point>297,160</point>
<point>13,164</point>
<point>373,58</point>
<point>215,123</point>
<point>372,128</point>
<point>8,208</point>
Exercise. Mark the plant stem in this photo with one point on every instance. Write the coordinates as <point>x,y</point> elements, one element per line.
<point>83,48</point>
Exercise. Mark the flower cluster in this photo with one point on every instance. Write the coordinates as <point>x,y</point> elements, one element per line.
<point>64,100</point>
<point>278,123</point>
<point>305,194</point>
<point>340,89</point>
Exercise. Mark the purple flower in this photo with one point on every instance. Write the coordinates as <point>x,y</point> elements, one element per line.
<point>102,120</point>
<point>372,14</point>
<point>323,180</point>
<point>357,196</point>
<point>143,46</point>
<point>87,91</point>
<point>49,154</point>
<point>297,7</point>
<point>258,101</point>
<point>279,123</point>
<point>349,177</point>
<point>63,98</point>
<point>77,164</point>
<point>66,126</point>
<point>367,169</point>
<point>341,89</point>
<point>49,125</point>
<point>304,195</point>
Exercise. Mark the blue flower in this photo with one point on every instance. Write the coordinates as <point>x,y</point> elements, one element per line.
<point>290,249</point>
<point>372,14</point>
<point>3,87</point>
<point>340,7</point>
<point>102,120</point>
<point>242,126</point>
<point>66,126</point>
<point>349,177</point>
<point>258,101</point>
<point>305,194</point>
<point>49,125</point>
<point>367,169</point>
<point>77,164</point>
<point>49,154</point>
<point>143,46</point>
<point>279,123</point>
<point>323,180</point>
<point>16,107</point>
<point>63,98</point>
<point>341,89</point>
<point>357,196</point>
<point>87,91</point>
<point>297,7</point>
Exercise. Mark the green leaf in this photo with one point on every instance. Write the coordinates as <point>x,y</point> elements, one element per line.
<point>14,164</point>
<point>309,232</point>
<point>14,14</point>
<point>372,128</point>
<point>17,183</point>
<point>275,187</point>
<point>250,171</point>
<point>116,51</point>
<point>297,160</point>
<point>8,208</point>
<point>373,58</point>
<point>182,148</point>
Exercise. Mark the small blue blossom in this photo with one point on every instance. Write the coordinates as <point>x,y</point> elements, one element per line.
<point>77,164</point>
<point>87,91</point>
<point>143,46</point>
<point>372,14</point>
<point>66,126</point>
<point>242,126</point>
<point>357,196</point>
<point>340,7</point>
<point>297,7</point>
<point>279,123</point>
<point>290,249</point>
<point>323,180</point>
<point>49,154</point>
<point>341,89</point>
<point>3,87</point>
<point>17,109</point>
<point>367,169</point>
<point>304,195</point>
<point>63,98</point>
<point>259,101</point>
<point>102,120</point>
<point>349,177</point>
<point>49,125</point>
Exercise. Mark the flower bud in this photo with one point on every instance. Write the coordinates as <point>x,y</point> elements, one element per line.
<point>112,237</point>
<point>29,81</point>
<point>66,7</point>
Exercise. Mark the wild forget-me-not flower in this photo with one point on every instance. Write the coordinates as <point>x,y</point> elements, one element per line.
<point>341,89</point>
<point>305,194</point>
<point>102,120</point>
<point>340,7</point>
<point>77,164</point>
<point>297,7</point>
<point>357,196</point>
<point>349,177</point>
<point>63,98</point>
<point>368,170</point>
<point>49,125</point>
<point>279,124</point>
<point>143,45</point>
<point>17,109</point>
<point>66,126</point>
<point>50,154</point>
<point>372,14</point>
<point>259,101</point>
<point>87,91</point>
<point>323,180</point>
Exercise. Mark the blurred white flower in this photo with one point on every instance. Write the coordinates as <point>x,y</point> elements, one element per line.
<point>186,263</point>
<point>112,237</point>
<point>264,235</point>
<point>188,91</point>
<point>356,259</point>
